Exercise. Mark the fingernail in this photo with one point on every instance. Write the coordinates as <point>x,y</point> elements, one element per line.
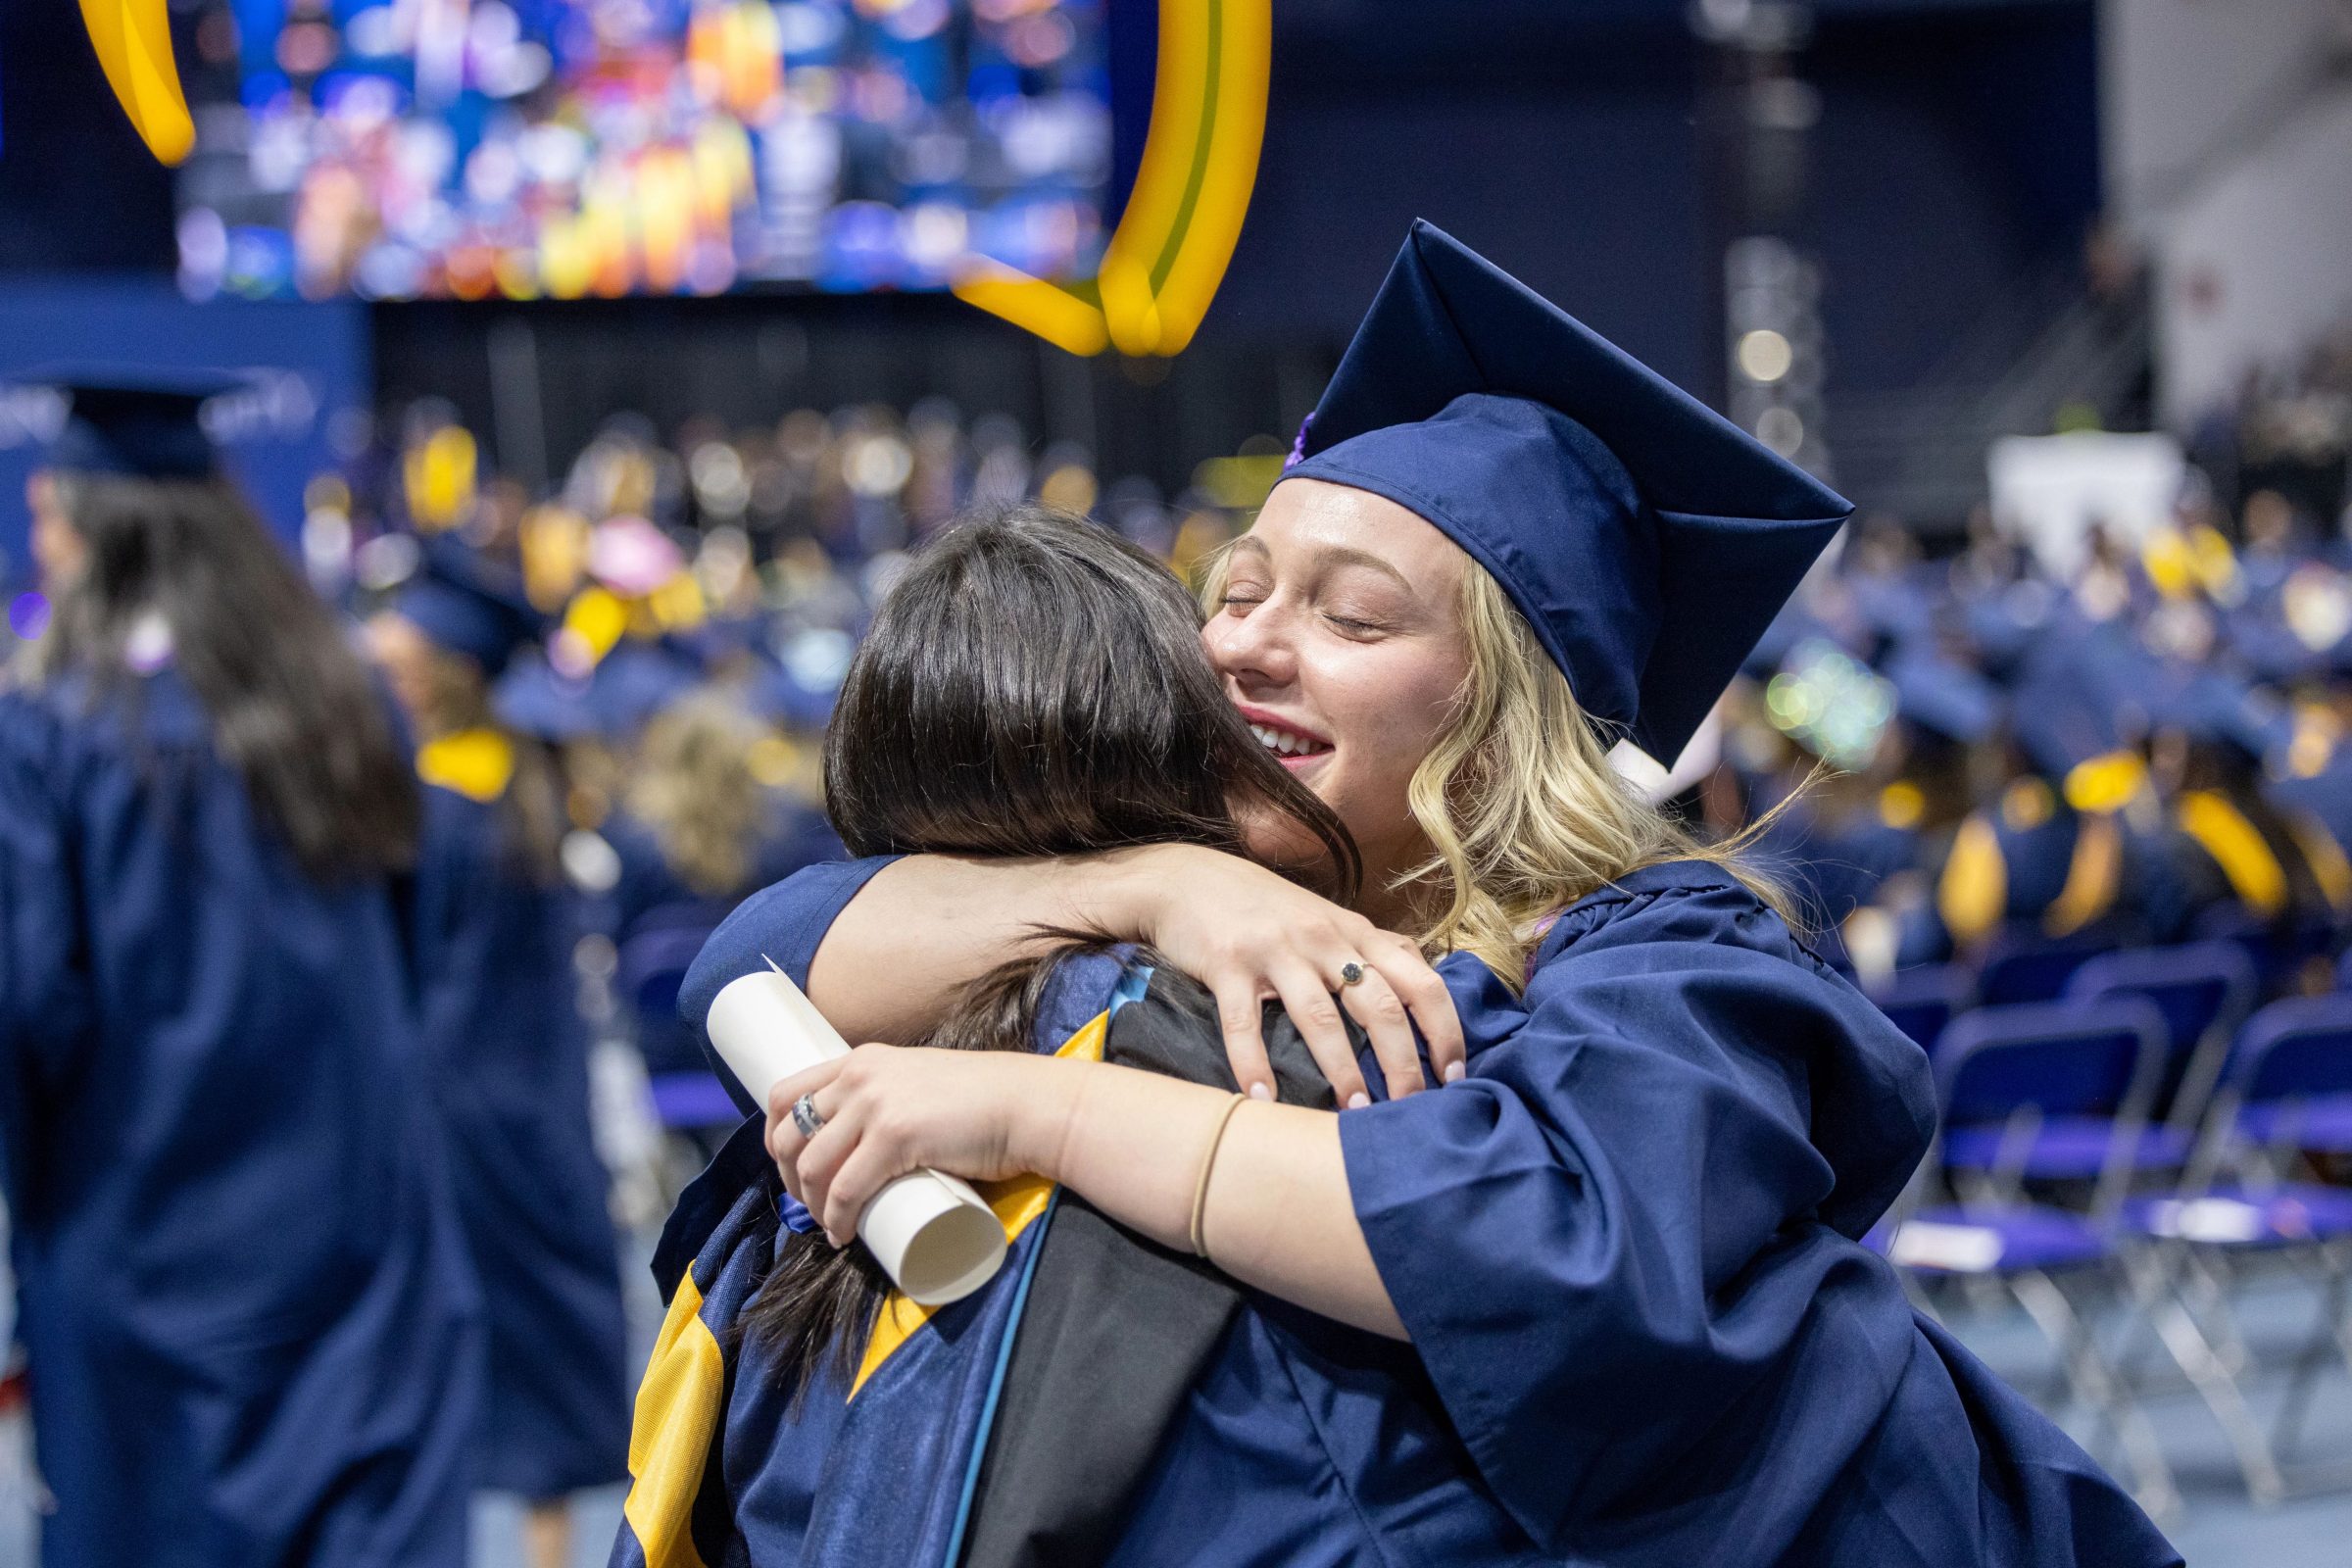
<point>1453,1072</point>
<point>1260,1091</point>
<point>1358,1101</point>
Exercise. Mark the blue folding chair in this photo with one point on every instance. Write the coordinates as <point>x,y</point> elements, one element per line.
<point>1922,1000</point>
<point>692,1101</point>
<point>2287,1093</point>
<point>2278,951</point>
<point>688,1097</point>
<point>2291,1078</point>
<point>2047,1091</point>
<point>2007,1078</point>
<point>2022,966</point>
<point>647,973</point>
<point>2205,990</point>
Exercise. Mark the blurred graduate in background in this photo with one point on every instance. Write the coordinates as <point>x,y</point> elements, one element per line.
<point>708,816</point>
<point>252,1329</point>
<point>495,926</point>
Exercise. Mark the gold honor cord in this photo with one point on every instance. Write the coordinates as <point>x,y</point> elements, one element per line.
<point>1169,252</point>
<point>133,40</point>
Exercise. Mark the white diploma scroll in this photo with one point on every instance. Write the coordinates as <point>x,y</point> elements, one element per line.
<point>936,1238</point>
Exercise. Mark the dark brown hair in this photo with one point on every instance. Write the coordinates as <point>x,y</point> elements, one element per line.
<point>292,707</point>
<point>1033,686</point>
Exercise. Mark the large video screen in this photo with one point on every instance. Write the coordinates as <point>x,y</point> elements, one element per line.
<point>472,149</point>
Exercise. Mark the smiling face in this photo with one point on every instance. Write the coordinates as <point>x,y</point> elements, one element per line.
<point>1339,636</point>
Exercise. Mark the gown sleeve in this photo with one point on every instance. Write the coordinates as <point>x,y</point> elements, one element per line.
<point>1656,1162</point>
<point>48,1000</point>
<point>785,925</point>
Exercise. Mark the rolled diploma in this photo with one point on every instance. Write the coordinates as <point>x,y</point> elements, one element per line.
<point>936,1238</point>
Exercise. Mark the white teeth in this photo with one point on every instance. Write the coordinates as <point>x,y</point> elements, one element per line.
<point>1281,742</point>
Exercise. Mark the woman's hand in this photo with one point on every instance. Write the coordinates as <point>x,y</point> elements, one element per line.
<point>1249,935</point>
<point>888,1110</point>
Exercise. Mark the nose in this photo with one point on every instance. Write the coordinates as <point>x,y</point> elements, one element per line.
<point>1253,651</point>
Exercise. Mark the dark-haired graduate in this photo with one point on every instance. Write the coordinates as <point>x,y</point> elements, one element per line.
<point>251,1328</point>
<point>1621,1236</point>
<point>495,926</point>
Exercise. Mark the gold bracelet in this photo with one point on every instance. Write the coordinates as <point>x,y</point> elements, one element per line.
<point>1209,1164</point>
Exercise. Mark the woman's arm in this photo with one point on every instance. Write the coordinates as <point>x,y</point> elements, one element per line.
<point>926,925</point>
<point>960,918</point>
<point>1133,1144</point>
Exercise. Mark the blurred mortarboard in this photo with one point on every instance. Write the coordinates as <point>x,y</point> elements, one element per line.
<point>131,422</point>
<point>2004,624</point>
<point>1897,608</point>
<point>1648,541</point>
<point>2213,710</point>
<point>627,687</point>
<point>531,699</point>
<point>1942,697</point>
<point>2271,652</point>
<point>2070,696</point>
<point>469,604</point>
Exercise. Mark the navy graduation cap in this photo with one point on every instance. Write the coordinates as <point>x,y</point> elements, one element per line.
<point>1943,698</point>
<point>2213,710</point>
<point>134,423</point>
<point>467,605</point>
<point>1648,540</point>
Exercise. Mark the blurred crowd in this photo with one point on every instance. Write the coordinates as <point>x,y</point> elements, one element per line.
<point>1942,756</point>
<point>1946,757</point>
<point>697,602</point>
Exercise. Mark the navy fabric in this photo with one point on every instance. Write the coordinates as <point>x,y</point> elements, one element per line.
<point>873,1481</point>
<point>469,605</point>
<point>510,1069</point>
<point>253,1332</point>
<point>137,424</point>
<point>1648,540</point>
<point>785,925</point>
<point>1627,1246</point>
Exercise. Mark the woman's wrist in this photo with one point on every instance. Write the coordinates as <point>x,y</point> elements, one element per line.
<point>1134,889</point>
<point>1045,1109</point>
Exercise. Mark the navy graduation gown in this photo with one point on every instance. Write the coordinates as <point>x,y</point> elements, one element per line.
<point>251,1330</point>
<point>1291,1440</point>
<point>1627,1248</point>
<point>510,1067</point>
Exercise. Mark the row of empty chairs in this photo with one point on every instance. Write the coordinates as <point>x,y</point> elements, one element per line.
<point>2129,1127</point>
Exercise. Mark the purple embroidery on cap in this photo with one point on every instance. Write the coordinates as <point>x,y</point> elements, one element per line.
<point>1299,445</point>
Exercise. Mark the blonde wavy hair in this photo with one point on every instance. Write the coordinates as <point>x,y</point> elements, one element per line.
<point>695,786</point>
<point>1523,812</point>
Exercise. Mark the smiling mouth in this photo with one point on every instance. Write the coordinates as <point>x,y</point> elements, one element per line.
<point>1288,745</point>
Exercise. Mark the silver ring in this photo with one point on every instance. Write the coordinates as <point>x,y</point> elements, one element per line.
<point>805,1116</point>
<point>1352,973</point>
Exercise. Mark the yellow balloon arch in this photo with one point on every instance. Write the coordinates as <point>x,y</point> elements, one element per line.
<point>1169,252</point>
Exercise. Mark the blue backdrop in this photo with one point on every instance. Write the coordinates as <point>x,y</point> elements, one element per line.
<point>308,366</point>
